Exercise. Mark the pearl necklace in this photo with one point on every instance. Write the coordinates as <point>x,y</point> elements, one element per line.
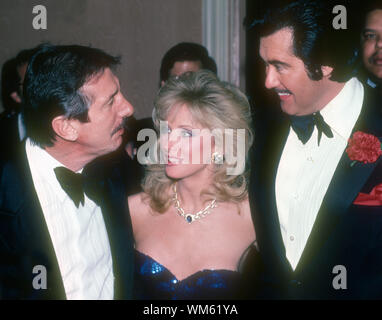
<point>188,216</point>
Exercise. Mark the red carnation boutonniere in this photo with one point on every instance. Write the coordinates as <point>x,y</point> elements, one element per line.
<point>364,147</point>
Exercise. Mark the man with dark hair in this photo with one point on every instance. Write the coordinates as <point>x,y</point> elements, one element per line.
<point>371,42</point>
<point>183,57</point>
<point>63,233</point>
<point>12,129</point>
<point>12,78</point>
<point>22,60</point>
<point>316,204</point>
<point>9,87</point>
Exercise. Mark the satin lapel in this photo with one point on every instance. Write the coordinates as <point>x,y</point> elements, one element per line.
<point>121,245</point>
<point>263,205</point>
<point>118,225</point>
<point>346,184</point>
<point>34,234</point>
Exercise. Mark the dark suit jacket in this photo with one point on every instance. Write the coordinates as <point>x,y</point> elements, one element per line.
<point>343,233</point>
<point>9,132</point>
<point>25,241</point>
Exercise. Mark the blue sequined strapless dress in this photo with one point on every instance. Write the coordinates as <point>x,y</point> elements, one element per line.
<point>153,281</point>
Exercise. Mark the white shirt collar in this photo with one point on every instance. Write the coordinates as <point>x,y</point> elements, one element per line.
<point>341,111</point>
<point>46,166</point>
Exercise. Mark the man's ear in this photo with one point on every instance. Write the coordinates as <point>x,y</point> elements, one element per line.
<point>326,71</point>
<point>65,128</point>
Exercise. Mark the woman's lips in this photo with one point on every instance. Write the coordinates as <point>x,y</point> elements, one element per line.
<point>173,161</point>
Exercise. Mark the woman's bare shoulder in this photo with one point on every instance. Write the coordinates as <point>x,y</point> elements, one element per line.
<point>138,203</point>
<point>245,207</point>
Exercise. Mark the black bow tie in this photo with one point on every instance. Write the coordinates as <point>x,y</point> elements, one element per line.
<point>72,183</point>
<point>304,126</point>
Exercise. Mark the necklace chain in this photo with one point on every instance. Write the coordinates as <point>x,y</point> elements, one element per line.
<point>189,217</point>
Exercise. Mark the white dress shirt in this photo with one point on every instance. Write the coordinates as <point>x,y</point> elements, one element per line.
<point>78,235</point>
<point>305,171</point>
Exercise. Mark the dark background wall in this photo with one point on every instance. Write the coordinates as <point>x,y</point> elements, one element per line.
<point>141,31</point>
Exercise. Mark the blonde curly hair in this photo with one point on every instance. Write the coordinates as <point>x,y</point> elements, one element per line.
<point>215,105</point>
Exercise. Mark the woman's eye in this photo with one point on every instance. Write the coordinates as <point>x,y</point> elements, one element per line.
<point>187,133</point>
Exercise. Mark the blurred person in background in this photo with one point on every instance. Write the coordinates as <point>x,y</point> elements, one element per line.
<point>12,129</point>
<point>371,43</point>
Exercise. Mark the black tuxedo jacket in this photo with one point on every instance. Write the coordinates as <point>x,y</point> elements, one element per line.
<point>25,241</point>
<point>343,234</point>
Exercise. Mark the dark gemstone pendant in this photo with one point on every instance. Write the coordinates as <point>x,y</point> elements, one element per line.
<point>189,219</point>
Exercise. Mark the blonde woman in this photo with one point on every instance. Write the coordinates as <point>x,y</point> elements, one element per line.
<point>192,224</point>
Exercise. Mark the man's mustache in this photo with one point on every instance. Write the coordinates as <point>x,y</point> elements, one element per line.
<point>282,91</point>
<point>121,126</point>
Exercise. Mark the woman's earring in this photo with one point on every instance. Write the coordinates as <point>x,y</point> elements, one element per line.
<point>217,158</point>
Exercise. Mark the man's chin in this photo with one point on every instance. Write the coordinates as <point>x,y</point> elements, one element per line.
<point>377,75</point>
<point>287,108</point>
<point>117,142</point>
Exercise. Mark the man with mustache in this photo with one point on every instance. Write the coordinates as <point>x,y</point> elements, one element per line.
<point>371,42</point>
<point>62,230</point>
<point>317,207</point>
